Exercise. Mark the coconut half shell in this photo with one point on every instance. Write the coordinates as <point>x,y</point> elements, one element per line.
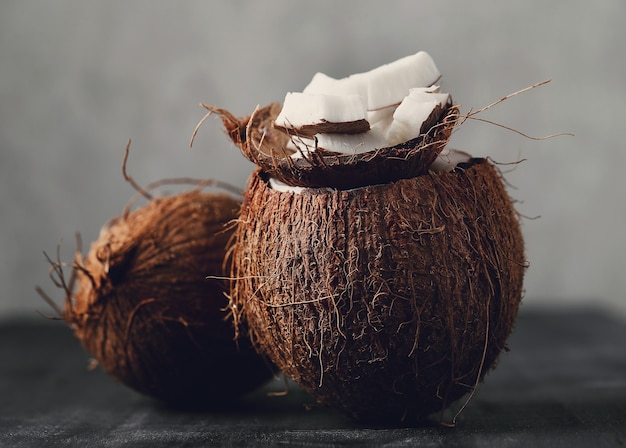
<point>388,302</point>
<point>145,309</point>
<point>266,146</point>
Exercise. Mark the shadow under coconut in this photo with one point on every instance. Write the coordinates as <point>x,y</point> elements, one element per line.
<point>496,416</point>
<point>529,394</point>
<point>282,404</point>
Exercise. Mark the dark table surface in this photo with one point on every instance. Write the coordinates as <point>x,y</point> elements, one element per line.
<point>563,384</point>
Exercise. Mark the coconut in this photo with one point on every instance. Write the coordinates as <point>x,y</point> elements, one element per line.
<point>389,301</point>
<point>384,282</point>
<point>148,302</point>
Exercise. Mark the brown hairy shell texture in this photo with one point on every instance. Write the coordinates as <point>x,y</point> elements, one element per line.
<point>145,309</point>
<point>388,302</point>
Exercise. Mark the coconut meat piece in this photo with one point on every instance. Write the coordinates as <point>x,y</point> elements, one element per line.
<point>324,84</point>
<point>415,110</point>
<point>355,143</point>
<point>312,113</point>
<point>383,86</point>
<point>381,117</point>
<point>389,127</point>
<point>278,185</point>
<point>342,143</point>
<point>389,83</point>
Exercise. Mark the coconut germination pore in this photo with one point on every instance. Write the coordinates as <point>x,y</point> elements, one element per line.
<point>377,268</point>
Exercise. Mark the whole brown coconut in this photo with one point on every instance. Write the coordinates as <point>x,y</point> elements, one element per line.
<point>145,309</point>
<point>388,301</point>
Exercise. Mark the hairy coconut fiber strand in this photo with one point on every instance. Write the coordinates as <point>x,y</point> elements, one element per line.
<point>389,301</point>
<point>146,311</point>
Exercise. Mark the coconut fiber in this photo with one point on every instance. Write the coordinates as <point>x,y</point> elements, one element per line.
<point>145,308</point>
<point>388,302</point>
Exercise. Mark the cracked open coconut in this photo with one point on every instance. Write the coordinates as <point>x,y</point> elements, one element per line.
<point>377,268</point>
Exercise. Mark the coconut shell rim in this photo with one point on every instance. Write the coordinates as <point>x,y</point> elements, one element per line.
<point>265,146</point>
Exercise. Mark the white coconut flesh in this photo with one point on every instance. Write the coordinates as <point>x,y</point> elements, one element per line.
<point>316,109</point>
<point>395,99</point>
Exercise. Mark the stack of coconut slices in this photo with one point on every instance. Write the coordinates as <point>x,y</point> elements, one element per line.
<point>386,106</point>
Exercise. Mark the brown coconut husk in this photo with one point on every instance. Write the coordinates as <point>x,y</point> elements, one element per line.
<point>266,146</point>
<point>148,302</point>
<point>388,302</point>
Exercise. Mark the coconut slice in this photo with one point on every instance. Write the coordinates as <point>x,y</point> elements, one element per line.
<point>389,126</point>
<point>388,84</point>
<point>277,185</point>
<point>383,86</point>
<point>324,84</point>
<point>381,117</point>
<point>416,113</point>
<point>307,114</point>
<point>353,143</point>
<point>375,138</point>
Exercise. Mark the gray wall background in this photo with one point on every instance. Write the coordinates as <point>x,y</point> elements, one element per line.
<point>78,78</point>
